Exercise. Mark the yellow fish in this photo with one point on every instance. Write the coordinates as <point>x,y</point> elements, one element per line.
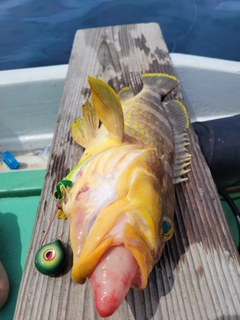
<point>119,199</point>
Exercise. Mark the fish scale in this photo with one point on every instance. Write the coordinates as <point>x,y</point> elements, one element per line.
<point>152,118</point>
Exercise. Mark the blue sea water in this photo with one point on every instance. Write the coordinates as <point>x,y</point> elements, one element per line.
<point>40,32</point>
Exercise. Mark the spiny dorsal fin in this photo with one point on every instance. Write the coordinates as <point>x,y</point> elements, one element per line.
<point>84,130</point>
<point>162,83</point>
<point>108,107</point>
<point>126,93</point>
<point>178,117</point>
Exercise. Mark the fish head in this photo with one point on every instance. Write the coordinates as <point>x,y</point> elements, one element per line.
<point>118,198</point>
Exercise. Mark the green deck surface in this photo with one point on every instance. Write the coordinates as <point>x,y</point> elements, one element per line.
<point>19,197</point>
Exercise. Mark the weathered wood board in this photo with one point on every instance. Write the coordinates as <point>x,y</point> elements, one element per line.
<point>198,274</point>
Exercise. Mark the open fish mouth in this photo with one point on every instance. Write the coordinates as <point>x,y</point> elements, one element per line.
<point>122,233</point>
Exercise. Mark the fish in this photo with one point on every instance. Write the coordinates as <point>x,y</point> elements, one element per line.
<point>119,199</point>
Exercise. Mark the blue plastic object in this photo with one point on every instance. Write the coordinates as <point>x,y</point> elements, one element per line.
<point>9,159</point>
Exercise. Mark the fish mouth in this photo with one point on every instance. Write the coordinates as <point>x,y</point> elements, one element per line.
<point>125,230</point>
<point>112,269</point>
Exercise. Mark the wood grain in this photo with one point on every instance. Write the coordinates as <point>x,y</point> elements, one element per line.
<point>197,276</point>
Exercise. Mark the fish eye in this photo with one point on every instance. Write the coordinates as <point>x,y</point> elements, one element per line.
<point>167,228</point>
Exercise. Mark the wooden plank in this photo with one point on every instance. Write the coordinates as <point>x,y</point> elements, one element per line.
<point>198,274</point>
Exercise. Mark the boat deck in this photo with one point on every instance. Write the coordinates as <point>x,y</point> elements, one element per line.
<point>197,276</point>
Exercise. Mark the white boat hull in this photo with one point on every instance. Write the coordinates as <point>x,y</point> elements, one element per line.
<point>30,98</point>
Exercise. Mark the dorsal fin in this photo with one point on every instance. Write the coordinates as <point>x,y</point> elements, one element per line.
<point>84,130</point>
<point>126,93</point>
<point>108,107</point>
<point>178,117</point>
<point>162,83</point>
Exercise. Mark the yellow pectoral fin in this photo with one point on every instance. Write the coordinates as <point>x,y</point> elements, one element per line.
<point>108,107</point>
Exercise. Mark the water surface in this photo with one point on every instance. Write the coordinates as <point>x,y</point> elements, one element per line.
<point>40,32</point>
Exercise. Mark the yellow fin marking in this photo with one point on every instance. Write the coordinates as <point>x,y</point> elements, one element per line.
<point>151,75</point>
